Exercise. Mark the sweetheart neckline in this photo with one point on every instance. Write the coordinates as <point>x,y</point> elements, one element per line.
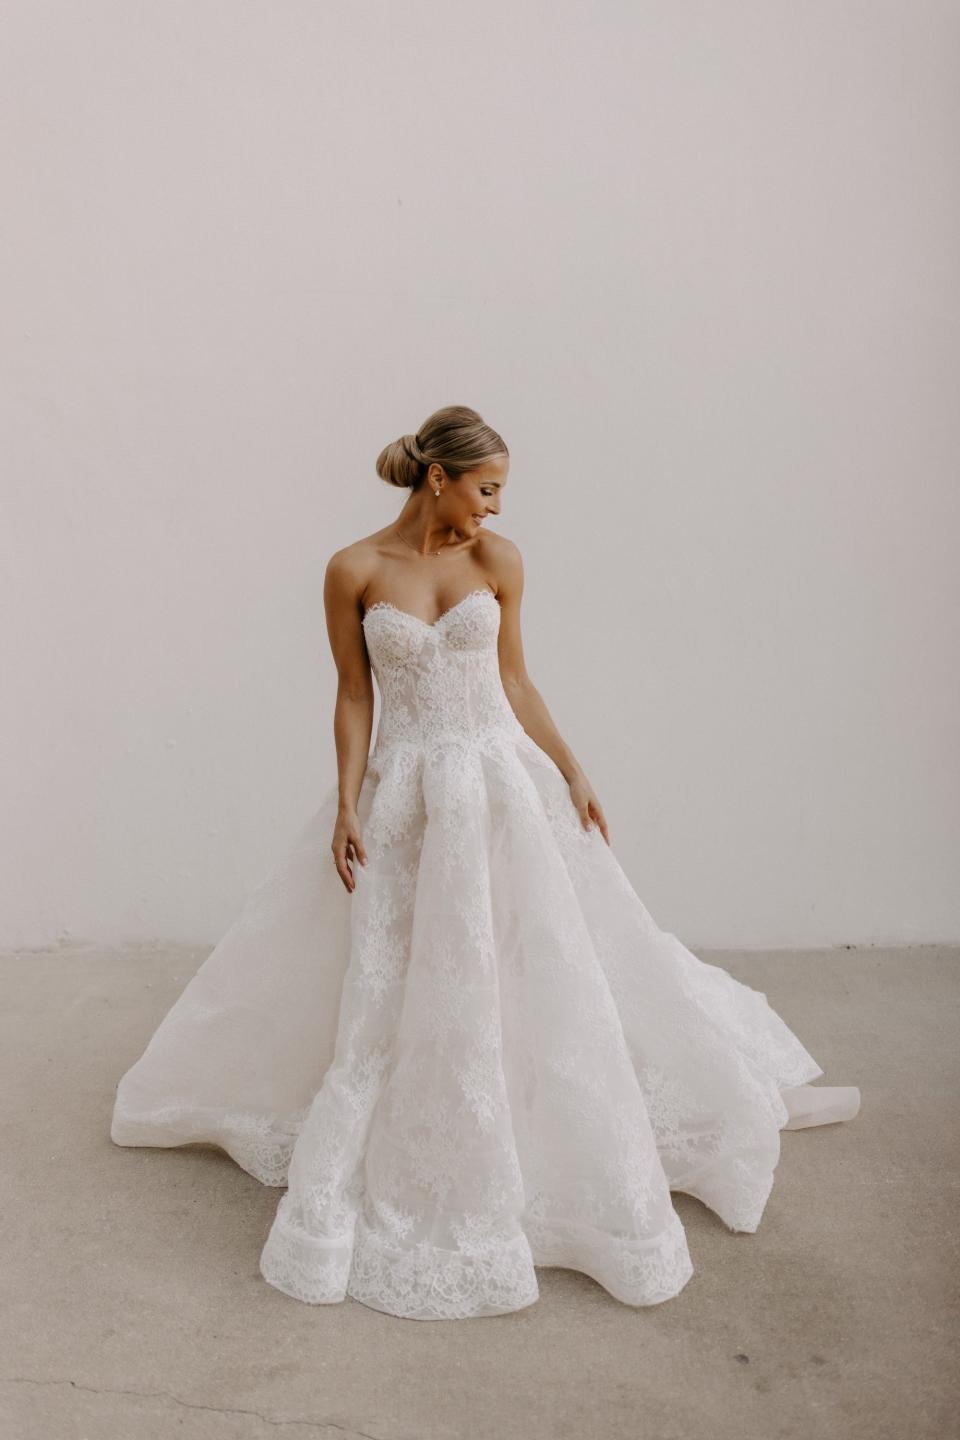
<point>429,624</point>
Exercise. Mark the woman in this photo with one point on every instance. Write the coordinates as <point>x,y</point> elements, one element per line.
<point>461,1042</point>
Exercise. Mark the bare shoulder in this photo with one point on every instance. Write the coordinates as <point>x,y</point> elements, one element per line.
<point>348,570</point>
<point>503,561</point>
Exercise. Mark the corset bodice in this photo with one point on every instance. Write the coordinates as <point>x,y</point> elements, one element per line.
<point>439,680</point>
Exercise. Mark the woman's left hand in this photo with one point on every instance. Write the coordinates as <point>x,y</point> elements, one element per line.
<point>587,805</point>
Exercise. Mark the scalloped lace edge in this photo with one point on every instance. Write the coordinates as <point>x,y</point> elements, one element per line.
<point>428,1283</point>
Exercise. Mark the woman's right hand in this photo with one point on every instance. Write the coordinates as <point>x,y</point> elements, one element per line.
<point>347,846</point>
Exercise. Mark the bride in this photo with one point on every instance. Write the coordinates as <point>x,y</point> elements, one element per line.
<point>445,1021</point>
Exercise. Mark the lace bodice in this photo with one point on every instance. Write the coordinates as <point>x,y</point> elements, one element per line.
<point>438,680</point>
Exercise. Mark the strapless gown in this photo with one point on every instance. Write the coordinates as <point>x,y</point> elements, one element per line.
<point>487,1058</point>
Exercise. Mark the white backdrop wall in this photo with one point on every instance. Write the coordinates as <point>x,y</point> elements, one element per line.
<point>697,262</point>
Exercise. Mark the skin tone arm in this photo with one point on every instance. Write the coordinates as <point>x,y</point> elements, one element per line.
<point>353,712</point>
<point>525,699</point>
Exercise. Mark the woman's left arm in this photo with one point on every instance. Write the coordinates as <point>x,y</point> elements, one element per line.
<point>525,699</point>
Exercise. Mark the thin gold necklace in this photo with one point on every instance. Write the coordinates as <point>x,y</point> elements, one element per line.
<point>415,547</point>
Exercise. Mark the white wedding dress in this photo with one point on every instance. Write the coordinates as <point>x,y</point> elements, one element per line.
<point>488,1057</point>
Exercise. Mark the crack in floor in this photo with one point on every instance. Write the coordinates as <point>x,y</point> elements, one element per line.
<point>344,1430</point>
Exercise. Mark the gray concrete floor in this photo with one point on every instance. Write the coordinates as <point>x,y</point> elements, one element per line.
<point>134,1307</point>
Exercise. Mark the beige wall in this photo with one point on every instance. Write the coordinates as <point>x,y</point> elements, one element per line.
<point>698,263</point>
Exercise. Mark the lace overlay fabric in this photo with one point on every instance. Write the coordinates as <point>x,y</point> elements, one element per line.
<point>487,1058</point>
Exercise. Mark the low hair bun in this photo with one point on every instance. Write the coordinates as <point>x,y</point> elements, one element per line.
<point>399,463</point>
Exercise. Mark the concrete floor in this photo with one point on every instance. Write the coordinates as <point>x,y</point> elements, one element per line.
<point>134,1306</point>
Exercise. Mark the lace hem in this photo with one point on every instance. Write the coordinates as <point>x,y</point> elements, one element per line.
<point>637,1272</point>
<point>260,1144</point>
<point>426,1282</point>
<point>734,1191</point>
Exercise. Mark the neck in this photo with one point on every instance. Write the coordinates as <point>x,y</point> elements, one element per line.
<point>420,530</point>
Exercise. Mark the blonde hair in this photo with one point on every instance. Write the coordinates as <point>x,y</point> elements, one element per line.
<point>455,437</point>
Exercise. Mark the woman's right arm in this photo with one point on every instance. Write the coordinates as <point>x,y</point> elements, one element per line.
<point>353,712</point>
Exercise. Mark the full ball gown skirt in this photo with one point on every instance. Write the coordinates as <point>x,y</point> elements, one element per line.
<point>488,1057</point>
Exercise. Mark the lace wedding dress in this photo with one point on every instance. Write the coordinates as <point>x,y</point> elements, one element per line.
<point>488,1057</point>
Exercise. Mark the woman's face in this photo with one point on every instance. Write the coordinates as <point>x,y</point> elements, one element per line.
<point>468,501</point>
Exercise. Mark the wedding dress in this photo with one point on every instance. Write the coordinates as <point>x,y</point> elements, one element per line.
<point>487,1057</point>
